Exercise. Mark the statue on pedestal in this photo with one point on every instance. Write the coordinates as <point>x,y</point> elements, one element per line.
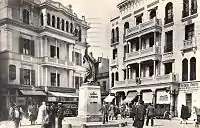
<point>91,65</point>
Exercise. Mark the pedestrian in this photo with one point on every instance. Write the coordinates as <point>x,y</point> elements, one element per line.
<point>53,115</point>
<point>11,111</point>
<point>105,109</point>
<point>133,109</point>
<point>33,113</point>
<point>41,114</point>
<point>139,115</point>
<point>150,114</point>
<point>47,121</point>
<point>122,111</point>
<point>17,116</point>
<point>117,111</point>
<point>184,114</point>
<point>60,114</point>
<point>111,111</point>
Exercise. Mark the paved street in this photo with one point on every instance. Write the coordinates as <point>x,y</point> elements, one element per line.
<point>158,124</point>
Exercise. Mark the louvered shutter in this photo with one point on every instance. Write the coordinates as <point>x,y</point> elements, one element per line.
<point>32,77</point>
<point>21,76</point>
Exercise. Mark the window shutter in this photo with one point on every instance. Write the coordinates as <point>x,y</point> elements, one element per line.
<point>32,48</point>
<point>21,43</point>
<point>21,76</point>
<point>58,52</point>
<point>32,77</point>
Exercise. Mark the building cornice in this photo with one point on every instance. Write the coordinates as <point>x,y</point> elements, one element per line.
<point>113,19</point>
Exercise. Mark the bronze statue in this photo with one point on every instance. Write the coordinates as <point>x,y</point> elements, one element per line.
<point>91,65</point>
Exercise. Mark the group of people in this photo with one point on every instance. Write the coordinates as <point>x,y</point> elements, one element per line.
<point>45,115</point>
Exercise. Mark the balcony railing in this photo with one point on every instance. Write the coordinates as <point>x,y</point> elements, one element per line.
<point>189,44</point>
<point>144,52</point>
<point>172,77</point>
<point>168,48</point>
<point>185,13</point>
<point>169,20</point>
<point>114,41</point>
<point>52,60</point>
<point>146,25</point>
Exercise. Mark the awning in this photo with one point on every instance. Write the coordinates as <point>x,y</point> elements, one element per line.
<point>59,94</point>
<point>32,93</point>
<point>109,98</point>
<point>130,97</point>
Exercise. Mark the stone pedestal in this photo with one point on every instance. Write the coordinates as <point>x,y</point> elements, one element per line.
<point>89,103</point>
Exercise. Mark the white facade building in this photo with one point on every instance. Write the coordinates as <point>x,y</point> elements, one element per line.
<point>155,53</point>
<point>41,45</point>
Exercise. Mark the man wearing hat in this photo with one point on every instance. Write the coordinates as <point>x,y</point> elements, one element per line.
<point>60,114</point>
<point>17,115</point>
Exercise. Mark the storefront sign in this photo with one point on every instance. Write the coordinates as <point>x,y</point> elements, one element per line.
<point>52,99</point>
<point>189,87</point>
<point>20,101</point>
<point>163,97</point>
<point>93,98</point>
<point>147,97</point>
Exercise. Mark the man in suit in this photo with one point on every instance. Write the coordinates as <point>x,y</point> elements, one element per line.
<point>150,114</point>
<point>140,115</point>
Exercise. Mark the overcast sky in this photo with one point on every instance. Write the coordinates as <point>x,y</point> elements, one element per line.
<point>98,13</point>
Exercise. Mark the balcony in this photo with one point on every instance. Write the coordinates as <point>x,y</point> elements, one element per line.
<point>148,80</point>
<point>57,62</point>
<point>144,27</point>
<point>155,50</point>
<point>114,62</point>
<point>189,45</point>
<point>114,41</point>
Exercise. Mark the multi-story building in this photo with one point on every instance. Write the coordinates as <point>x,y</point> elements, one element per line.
<point>103,77</point>
<point>155,53</point>
<point>41,45</point>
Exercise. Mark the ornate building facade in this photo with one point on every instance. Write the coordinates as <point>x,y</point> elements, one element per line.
<point>155,53</point>
<point>41,47</point>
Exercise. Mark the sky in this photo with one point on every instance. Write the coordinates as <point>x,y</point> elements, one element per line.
<point>98,13</point>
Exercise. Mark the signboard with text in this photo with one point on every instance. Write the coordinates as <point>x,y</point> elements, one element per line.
<point>189,87</point>
<point>163,97</point>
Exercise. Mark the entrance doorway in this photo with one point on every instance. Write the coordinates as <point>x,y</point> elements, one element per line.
<point>189,102</point>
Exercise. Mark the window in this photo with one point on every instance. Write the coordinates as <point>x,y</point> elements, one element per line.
<point>112,36</point>
<point>26,16</point>
<point>185,8</point>
<point>117,34</point>
<point>114,54</point>
<point>53,79</point>
<point>193,7</point>
<point>41,19</point>
<point>138,19</point>
<point>126,50</point>
<point>168,68</point>
<point>185,70</point>
<point>71,28</point>
<point>168,41</point>
<point>117,76</point>
<point>193,68</point>
<point>26,46</point>
<point>152,14</point>
<point>78,58</point>
<point>58,23</point>
<point>53,21</point>
<point>151,71</point>
<point>104,85</point>
<point>79,35</point>
<point>27,77</point>
<point>126,27</point>
<point>53,51</point>
<point>63,24</point>
<point>76,32</point>
<point>189,32</point>
<point>113,79</point>
<point>189,102</point>
<point>78,82</point>
<point>48,19</point>
<point>67,26</point>
<point>169,13</point>
<point>124,74</point>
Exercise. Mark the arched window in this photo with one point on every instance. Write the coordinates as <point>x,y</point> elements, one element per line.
<point>79,35</point>
<point>63,25</point>
<point>48,19</point>
<point>26,16</point>
<point>169,13</point>
<point>67,26</point>
<point>117,34</point>
<point>112,36</point>
<point>53,21</point>
<point>58,23</point>
<point>113,79</point>
<point>152,14</point>
<point>117,76</point>
<point>185,8</point>
<point>185,70</point>
<point>41,19</point>
<point>126,26</point>
<point>193,68</point>
<point>71,28</point>
<point>76,32</point>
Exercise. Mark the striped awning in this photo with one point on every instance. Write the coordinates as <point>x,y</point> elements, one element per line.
<point>32,93</point>
<point>59,94</point>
